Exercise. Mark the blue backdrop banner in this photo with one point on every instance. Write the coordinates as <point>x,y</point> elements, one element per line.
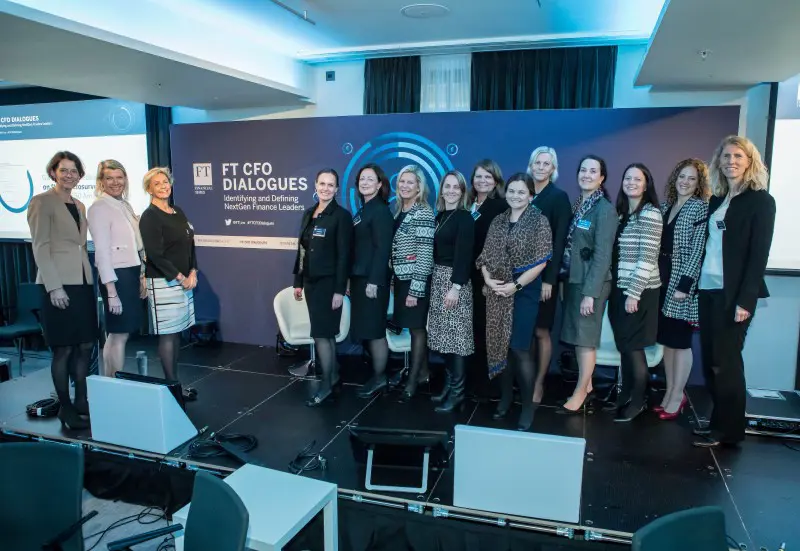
<point>244,185</point>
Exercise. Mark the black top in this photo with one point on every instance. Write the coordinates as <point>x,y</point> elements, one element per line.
<point>73,210</point>
<point>749,224</point>
<point>373,229</point>
<point>665,253</point>
<point>453,243</point>
<point>327,250</point>
<point>398,221</point>
<point>168,243</point>
<point>483,217</point>
<point>555,206</point>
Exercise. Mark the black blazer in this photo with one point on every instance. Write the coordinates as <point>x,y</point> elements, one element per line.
<point>373,230</point>
<point>555,206</point>
<point>749,223</point>
<point>488,211</point>
<point>328,254</point>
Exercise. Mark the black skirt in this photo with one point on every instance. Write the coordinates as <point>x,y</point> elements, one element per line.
<point>74,325</point>
<point>367,315</point>
<point>410,318</point>
<point>127,285</point>
<point>319,297</point>
<point>634,331</point>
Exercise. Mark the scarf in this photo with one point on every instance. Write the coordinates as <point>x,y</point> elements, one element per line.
<point>130,216</point>
<point>508,253</point>
<point>579,209</point>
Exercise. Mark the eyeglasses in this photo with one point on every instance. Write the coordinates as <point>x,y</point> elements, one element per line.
<point>68,171</point>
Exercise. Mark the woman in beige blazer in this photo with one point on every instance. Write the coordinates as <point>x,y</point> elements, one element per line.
<point>58,230</point>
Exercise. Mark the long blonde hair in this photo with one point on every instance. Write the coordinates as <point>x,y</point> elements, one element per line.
<point>422,196</point>
<point>109,164</point>
<point>755,177</point>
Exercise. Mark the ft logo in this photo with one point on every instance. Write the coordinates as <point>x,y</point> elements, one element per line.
<point>202,175</point>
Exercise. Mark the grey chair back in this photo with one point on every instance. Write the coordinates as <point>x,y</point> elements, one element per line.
<point>698,529</point>
<point>29,298</point>
<point>41,494</point>
<point>217,519</point>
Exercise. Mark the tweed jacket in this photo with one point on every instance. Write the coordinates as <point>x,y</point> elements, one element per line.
<point>412,248</point>
<point>689,242</point>
<point>638,244</point>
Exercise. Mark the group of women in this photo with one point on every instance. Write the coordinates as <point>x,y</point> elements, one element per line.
<point>151,257</point>
<point>482,274</point>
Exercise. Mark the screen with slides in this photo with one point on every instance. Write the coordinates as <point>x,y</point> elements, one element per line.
<point>94,130</point>
<point>783,185</point>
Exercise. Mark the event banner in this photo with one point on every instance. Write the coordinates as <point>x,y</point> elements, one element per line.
<point>244,185</point>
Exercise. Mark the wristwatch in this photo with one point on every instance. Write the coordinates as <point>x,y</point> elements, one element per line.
<point>518,286</point>
<point>456,286</point>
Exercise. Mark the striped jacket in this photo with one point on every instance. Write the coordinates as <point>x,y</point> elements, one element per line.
<point>689,242</point>
<point>639,244</point>
<point>412,248</point>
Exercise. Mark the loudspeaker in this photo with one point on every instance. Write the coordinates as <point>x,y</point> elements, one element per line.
<point>519,473</point>
<point>135,414</point>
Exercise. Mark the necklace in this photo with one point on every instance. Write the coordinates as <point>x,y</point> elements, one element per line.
<point>444,221</point>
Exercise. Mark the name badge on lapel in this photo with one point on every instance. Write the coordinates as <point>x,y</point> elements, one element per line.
<point>318,232</point>
<point>475,214</point>
<point>357,220</point>
<point>721,225</point>
<point>584,224</point>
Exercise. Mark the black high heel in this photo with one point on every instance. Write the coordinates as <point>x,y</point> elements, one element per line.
<point>373,387</point>
<point>70,419</point>
<point>584,407</point>
<point>627,414</point>
<point>526,417</point>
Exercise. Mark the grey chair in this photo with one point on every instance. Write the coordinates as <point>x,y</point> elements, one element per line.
<point>698,529</point>
<point>26,322</point>
<point>41,496</point>
<point>217,520</point>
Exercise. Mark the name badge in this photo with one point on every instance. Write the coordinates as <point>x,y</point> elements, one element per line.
<point>584,224</point>
<point>721,225</point>
<point>318,232</point>
<point>475,214</point>
<point>357,220</point>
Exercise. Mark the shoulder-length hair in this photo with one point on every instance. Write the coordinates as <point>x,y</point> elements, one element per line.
<point>109,164</point>
<point>422,182</point>
<point>649,196</point>
<point>497,175</point>
<point>462,184</point>
<point>603,171</point>
<point>328,171</point>
<point>152,173</point>
<point>702,191</point>
<point>755,177</point>
<point>52,165</point>
<point>525,178</point>
<point>383,191</point>
<point>553,157</point>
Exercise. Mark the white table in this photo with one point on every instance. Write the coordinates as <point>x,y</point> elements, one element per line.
<point>280,505</point>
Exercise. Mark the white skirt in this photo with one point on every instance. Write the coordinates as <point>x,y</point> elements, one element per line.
<point>171,306</point>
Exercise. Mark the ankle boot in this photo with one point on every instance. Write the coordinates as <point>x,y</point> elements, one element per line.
<point>442,396</point>
<point>507,393</point>
<point>455,398</point>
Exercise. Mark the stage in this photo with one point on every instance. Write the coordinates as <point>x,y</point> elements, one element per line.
<point>633,473</point>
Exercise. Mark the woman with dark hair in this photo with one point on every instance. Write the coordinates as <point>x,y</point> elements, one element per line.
<point>740,225</point>
<point>633,305</point>
<point>450,314</point>
<point>518,246</point>
<point>682,241</point>
<point>485,203</point>
<point>369,272</point>
<point>320,272</point>
<point>586,266</point>
<point>58,227</point>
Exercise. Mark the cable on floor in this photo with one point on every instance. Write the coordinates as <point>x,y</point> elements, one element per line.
<point>307,460</point>
<point>141,518</point>
<point>211,447</point>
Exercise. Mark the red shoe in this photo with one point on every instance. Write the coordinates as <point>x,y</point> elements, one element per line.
<point>664,416</point>
<point>657,409</point>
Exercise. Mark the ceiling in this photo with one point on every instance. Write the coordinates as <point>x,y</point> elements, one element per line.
<point>745,43</point>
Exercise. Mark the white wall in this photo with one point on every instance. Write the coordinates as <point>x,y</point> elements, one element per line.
<point>341,97</point>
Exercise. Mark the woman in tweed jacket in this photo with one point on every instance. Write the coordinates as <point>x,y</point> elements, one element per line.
<point>633,305</point>
<point>412,264</point>
<point>683,240</point>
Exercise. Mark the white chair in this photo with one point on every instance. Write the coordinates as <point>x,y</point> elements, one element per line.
<point>401,342</point>
<point>295,326</point>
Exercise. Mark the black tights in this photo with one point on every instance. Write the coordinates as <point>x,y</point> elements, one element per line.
<point>169,346</point>
<point>419,357</point>
<point>520,366</point>
<point>71,361</point>
<point>633,367</point>
<point>379,351</point>
<point>325,350</point>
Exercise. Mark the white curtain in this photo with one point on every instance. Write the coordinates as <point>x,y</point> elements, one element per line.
<point>445,82</point>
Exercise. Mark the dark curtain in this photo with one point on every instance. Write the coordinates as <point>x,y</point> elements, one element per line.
<point>158,120</point>
<point>557,78</point>
<point>26,95</point>
<point>392,85</point>
<point>16,266</point>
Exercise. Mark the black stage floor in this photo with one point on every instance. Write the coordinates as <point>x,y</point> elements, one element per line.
<point>633,473</point>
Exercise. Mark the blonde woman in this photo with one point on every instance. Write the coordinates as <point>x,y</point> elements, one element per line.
<point>450,315</point>
<point>741,219</point>
<point>170,269</point>
<point>118,248</point>
<point>412,263</point>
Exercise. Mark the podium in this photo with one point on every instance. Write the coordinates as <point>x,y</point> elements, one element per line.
<point>138,415</point>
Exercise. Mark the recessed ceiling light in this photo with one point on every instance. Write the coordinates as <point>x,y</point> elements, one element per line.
<point>424,11</point>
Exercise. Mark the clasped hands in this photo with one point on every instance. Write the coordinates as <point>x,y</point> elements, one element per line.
<point>501,288</point>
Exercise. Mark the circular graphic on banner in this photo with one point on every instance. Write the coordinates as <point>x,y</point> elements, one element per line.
<point>121,119</point>
<point>393,151</point>
<point>16,198</point>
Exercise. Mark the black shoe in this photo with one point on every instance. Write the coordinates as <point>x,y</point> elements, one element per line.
<point>442,396</point>
<point>583,407</point>
<point>376,385</point>
<point>82,408</point>
<point>320,398</point>
<point>70,419</point>
<point>526,417</point>
<point>397,378</point>
<point>712,442</point>
<point>629,413</point>
<point>500,414</point>
<point>190,394</point>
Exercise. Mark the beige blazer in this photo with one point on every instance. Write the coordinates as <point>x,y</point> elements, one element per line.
<point>59,248</point>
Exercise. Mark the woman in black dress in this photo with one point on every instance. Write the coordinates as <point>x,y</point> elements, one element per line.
<point>450,314</point>
<point>486,202</point>
<point>633,304</point>
<point>320,271</point>
<point>58,227</point>
<point>369,273</point>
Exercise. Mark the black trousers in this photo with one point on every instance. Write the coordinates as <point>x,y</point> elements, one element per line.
<point>722,341</point>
